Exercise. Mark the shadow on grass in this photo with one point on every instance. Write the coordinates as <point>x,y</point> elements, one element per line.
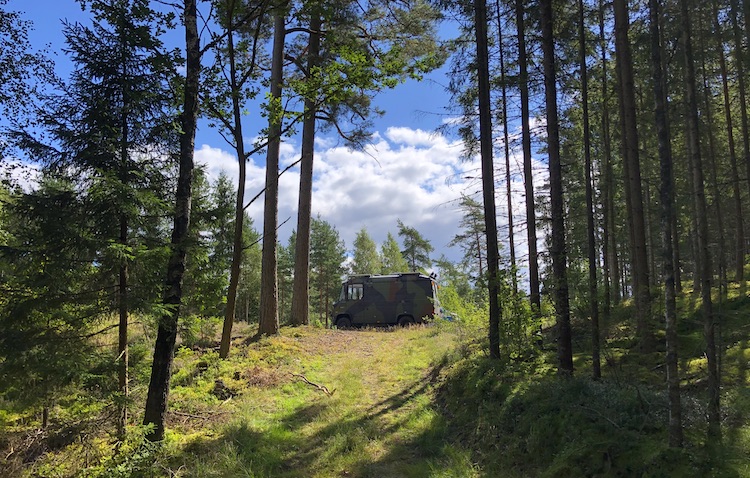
<point>400,436</point>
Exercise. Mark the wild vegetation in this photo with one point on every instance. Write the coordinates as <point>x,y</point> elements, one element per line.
<point>143,318</point>
<point>423,401</point>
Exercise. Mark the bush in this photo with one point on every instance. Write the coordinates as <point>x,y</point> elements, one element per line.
<point>520,416</point>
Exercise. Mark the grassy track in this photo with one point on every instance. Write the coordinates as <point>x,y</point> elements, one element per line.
<point>378,420</point>
<point>390,403</point>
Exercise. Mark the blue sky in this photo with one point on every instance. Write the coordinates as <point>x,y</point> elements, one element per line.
<point>408,172</point>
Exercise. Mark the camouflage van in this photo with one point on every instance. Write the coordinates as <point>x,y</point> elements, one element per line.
<point>402,299</point>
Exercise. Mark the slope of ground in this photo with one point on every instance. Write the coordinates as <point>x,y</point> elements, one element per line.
<point>309,403</point>
<point>418,402</point>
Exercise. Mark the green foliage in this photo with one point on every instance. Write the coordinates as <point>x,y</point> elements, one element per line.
<point>135,457</point>
<point>467,311</point>
<point>416,248</point>
<point>393,260</point>
<point>465,299</point>
<point>366,48</point>
<point>519,327</point>
<point>366,259</point>
<point>43,333</point>
<point>471,238</point>
<point>286,277</point>
<point>22,71</point>
<point>199,330</point>
<point>547,426</point>
<point>207,274</point>
<point>327,256</point>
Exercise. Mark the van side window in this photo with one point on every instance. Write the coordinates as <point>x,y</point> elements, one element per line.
<point>355,291</point>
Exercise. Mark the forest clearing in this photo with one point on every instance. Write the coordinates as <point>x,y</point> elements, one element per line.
<point>154,322</point>
<point>392,402</point>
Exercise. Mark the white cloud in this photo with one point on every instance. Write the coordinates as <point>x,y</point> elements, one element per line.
<point>411,137</point>
<point>405,174</point>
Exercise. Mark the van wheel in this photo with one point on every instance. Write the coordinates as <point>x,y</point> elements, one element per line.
<point>343,323</point>
<point>406,321</point>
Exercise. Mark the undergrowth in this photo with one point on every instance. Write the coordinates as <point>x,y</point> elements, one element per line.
<point>419,402</point>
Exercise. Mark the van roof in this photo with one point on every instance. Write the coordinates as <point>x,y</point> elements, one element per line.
<point>388,276</point>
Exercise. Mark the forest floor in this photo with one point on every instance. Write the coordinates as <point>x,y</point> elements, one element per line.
<point>424,401</point>
<point>333,403</point>
<point>310,402</point>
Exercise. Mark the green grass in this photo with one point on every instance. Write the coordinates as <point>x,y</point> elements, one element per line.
<point>378,421</point>
<point>419,402</point>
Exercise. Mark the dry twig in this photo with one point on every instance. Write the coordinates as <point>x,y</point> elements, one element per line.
<point>322,388</point>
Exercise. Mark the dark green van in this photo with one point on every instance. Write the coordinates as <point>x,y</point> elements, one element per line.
<point>403,299</point>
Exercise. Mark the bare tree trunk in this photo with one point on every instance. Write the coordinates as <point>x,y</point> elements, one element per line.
<point>609,253</point>
<point>300,288</point>
<point>676,252</point>
<point>744,122</point>
<point>269,286</point>
<point>158,388</point>
<point>714,185</point>
<point>677,261</point>
<point>488,175</point>
<point>666,195</point>
<point>508,192</point>
<point>633,179</point>
<point>557,246</point>
<point>713,412</point>
<point>592,256</point>
<point>523,85</point>
<point>239,209</point>
<point>122,292</point>
<point>736,196</point>
<point>122,335</point>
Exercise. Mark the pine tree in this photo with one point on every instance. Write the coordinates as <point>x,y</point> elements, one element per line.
<point>327,255</point>
<point>416,249</point>
<point>366,259</point>
<point>161,369</point>
<point>557,247</point>
<point>121,168</point>
<point>269,287</point>
<point>393,260</point>
<point>666,197</point>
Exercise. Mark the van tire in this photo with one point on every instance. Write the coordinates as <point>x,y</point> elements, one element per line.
<point>406,320</point>
<point>343,323</point>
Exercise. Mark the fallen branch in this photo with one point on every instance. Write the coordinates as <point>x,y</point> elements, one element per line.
<point>322,388</point>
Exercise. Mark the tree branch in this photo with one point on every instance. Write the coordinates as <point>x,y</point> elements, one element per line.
<point>322,388</point>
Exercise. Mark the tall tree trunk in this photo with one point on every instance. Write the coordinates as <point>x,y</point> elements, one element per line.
<point>158,388</point>
<point>557,246</point>
<point>488,175</point>
<point>744,122</point>
<point>736,196</point>
<point>634,197</point>
<point>713,412</point>
<point>269,286</point>
<point>677,262</point>
<point>666,197</point>
<point>609,246</point>
<point>714,184</point>
<point>239,208</point>
<point>300,288</point>
<point>523,85</point>
<point>591,243</point>
<point>508,189</point>
<point>649,234</point>
<point>122,335</point>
